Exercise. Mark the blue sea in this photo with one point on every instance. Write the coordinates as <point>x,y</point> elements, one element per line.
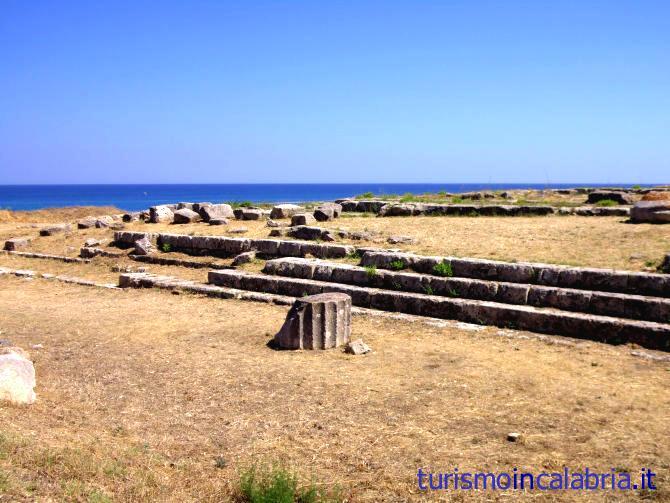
<point>139,197</point>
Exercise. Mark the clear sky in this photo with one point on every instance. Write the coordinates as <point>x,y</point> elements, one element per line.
<point>334,91</point>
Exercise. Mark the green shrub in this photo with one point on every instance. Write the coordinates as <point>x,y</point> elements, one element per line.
<point>277,485</point>
<point>428,290</point>
<point>408,197</point>
<point>607,202</point>
<point>457,200</point>
<point>365,195</point>
<point>397,265</point>
<point>636,187</point>
<point>443,269</point>
<point>371,271</point>
<point>166,247</point>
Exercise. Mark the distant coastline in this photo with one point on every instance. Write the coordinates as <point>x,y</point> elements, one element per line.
<point>140,196</point>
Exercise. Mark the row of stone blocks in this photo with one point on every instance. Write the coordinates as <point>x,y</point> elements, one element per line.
<point>604,280</point>
<point>394,208</point>
<point>504,210</point>
<point>585,301</point>
<point>542,320</point>
<point>222,246</point>
<point>147,280</point>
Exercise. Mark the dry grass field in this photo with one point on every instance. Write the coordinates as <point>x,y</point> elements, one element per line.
<point>148,396</point>
<point>608,242</point>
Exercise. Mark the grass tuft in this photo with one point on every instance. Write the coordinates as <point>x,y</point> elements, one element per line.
<point>607,202</point>
<point>365,195</point>
<point>277,485</point>
<point>398,265</point>
<point>443,269</point>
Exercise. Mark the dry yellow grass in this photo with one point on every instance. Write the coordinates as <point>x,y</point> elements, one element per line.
<point>585,241</point>
<point>656,196</point>
<point>49,215</point>
<point>608,242</point>
<point>141,391</point>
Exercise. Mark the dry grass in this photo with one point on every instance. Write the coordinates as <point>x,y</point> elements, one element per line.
<point>50,215</point>
<point>656,196</point>
<point>584,241</point>
<point>140,392</point>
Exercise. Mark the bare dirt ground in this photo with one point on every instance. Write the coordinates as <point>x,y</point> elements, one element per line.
<point>141,392</point>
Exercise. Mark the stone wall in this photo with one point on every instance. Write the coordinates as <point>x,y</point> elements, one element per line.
<point>579,325</point>
<point>594,302</point>
<point>606,280</point>
<point>223,246</point>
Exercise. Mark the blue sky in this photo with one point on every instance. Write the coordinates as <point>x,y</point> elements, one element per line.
<point>290,91</point>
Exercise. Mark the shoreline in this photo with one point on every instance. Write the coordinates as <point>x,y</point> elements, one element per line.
<point>134,197</point>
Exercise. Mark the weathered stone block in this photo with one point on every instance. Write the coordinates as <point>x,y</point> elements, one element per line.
<point>302,219</point>
<point>86,223</point>
<point>602,195</point>
<point>317,322</point>
<point>143,246</point>
<point>17,376</point>
<point>268,247</point>
<point>17,244</point>
<point>216,212</point>
<point>285,211</point>
<point>160,214</point>
<point>186,216</point>
<point>290,249</point>
<point>55,229</point>
<point>510,293</point>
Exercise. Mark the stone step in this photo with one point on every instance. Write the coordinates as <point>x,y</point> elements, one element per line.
<point>593,302</point>
<point>543,320</point>
<point>223,246</point>
<point>161,260</point>
<point>582,278</point>
<point>147,280</point>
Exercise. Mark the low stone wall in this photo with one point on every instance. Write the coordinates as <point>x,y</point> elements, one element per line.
<point>398,209</point>
<point>363,206</point>
<point>413,209</point>
<point>153,259</point>
<point>578,325</point>
<point>601,303</point>
<point>222,246</point>
<point>596,211</point>
<point>61,258</point>
<point>127,239</point>
<point>146,280</point>
<point>605,280</point>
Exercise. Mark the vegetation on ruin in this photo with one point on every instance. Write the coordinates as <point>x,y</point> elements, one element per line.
<point>443,269</point>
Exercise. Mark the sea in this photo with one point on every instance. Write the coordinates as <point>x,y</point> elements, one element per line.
<point>139,197</point>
